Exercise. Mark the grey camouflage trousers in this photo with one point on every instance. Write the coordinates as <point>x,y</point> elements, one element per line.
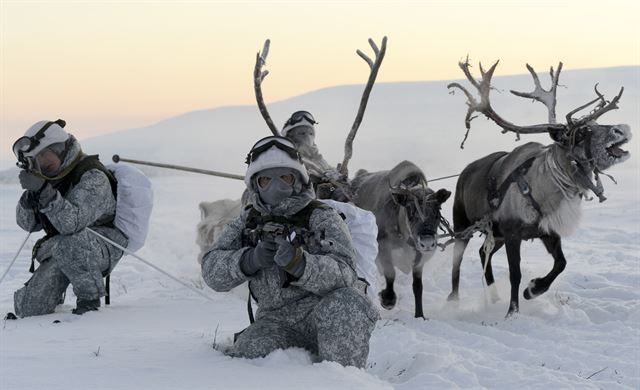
<point>336,328</point>
<point>79,259</point>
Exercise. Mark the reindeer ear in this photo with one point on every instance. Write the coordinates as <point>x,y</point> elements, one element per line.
<point>555,135</point>
<point>442,195</point>
<point>204,212</point>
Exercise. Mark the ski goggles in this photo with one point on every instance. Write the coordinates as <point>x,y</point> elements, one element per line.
<point>264,180</point>
<point>299,116</point>
<point>26,144</point>
<point>267,143</point>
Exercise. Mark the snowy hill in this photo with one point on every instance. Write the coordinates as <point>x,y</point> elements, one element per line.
<point>583,333</point>
<point>418,121</point>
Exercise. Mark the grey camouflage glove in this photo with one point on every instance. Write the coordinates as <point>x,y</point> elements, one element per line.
<point>47,194</point>
<point>290,258</point>
<point>29,200</point>
<point>259,257</point>
<point>29,181</point>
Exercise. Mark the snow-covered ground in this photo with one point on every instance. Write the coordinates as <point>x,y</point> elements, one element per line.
<point>583,333</point>
<point>157,334</point>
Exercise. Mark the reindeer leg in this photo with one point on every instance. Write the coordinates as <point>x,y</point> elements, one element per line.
<point>387,296</point>
<point>513,255</point>
<point>539,286</point>
<point>488,269</point>
<point>417,285</point>
<point>458,250</point>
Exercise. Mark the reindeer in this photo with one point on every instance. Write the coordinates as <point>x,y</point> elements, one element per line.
<point>408,215</point>
<point>534,191</point>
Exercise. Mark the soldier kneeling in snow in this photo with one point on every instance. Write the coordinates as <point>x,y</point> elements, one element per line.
<point>65,192</point>
<point>297,256</point>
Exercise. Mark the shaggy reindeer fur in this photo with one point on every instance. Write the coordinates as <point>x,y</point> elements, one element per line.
<point>214,216</point>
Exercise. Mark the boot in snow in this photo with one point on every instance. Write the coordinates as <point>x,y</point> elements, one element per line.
<point>10,316</point>
<point>83,306</point>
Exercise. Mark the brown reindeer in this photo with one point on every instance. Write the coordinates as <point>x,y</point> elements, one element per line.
<point>534,191</point>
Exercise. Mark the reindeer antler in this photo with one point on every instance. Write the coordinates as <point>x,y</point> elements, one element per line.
<point>484,106</point>
<point>548,98</point>
<point>258,76</point>
<point>374,66</point>
<point>602,107</point>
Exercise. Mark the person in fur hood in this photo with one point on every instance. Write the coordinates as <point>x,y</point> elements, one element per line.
<point>65,191</point>
<point>297,256</point>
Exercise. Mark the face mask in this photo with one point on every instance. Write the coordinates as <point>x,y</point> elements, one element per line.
<point>276,192</point>
<point>277,188</point>
<point>302,136</point>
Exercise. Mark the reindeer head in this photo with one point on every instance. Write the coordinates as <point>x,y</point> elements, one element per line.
<point>592,146</point>
<point>591,143</point>
<point>598,145</point>
<point>419,204</point>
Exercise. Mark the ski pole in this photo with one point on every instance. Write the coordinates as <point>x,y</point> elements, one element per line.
<point>117,159</point>
<point>125,250</point>
<point>15,257</point>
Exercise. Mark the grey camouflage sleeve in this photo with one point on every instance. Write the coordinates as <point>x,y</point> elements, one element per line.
<point>221,265</point>
<point>83,205</point>
<point>26,210</point>
<point>335,268</point>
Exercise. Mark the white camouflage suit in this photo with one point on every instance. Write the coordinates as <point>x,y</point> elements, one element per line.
<point>321,311</point>
<point>74,256</point>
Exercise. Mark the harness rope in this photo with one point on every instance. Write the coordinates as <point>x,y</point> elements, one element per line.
<point>561,178</point>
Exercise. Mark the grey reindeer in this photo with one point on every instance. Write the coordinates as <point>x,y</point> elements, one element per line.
<point>408,216</point>
<point>534,191</point>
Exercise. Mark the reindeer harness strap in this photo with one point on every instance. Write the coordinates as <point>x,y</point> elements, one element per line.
<point>496,194</point>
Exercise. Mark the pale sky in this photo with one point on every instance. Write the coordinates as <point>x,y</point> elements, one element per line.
<point>113,65</point>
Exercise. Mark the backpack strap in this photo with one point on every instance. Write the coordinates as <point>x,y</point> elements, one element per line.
<point>302,217</point>
<point>87,164</point>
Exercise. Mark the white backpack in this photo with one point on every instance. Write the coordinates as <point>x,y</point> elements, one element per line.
<point>364,235</point>
<point>134,204</point>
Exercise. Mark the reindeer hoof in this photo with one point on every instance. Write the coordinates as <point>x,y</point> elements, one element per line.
<point>453,297</point>
<point>513,309</point>
<point>534,289</point>
<point>388,301</point>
